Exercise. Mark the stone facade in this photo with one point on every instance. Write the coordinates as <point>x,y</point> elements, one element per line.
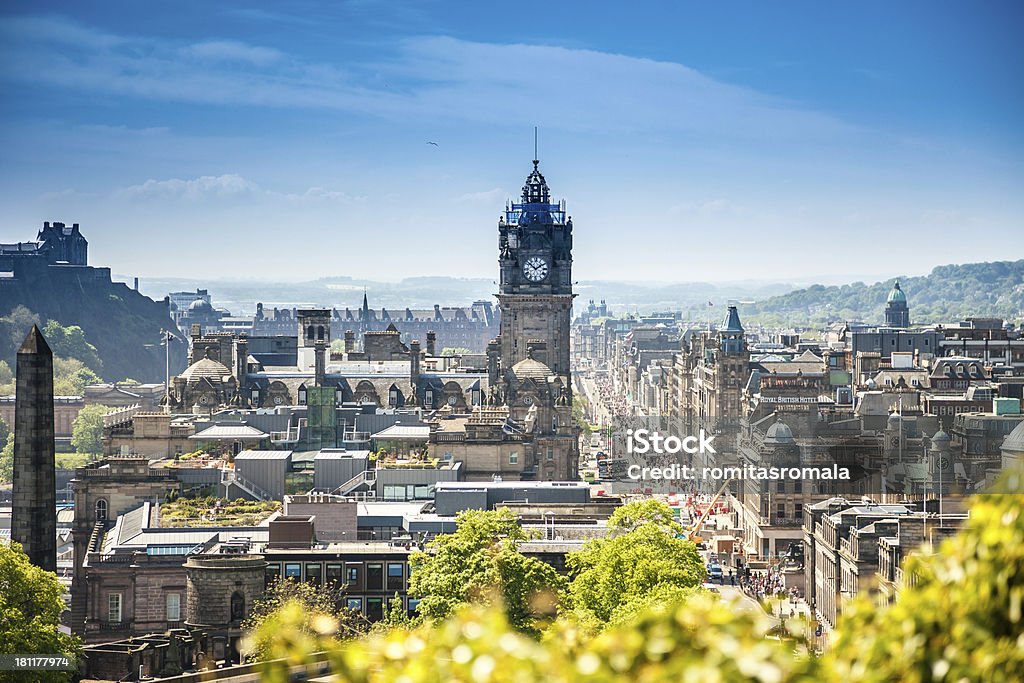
<point>103,490</point>
<point>34,514</point>
<point>221,590</point>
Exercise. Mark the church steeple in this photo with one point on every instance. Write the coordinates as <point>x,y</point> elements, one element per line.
<point>365,311</point>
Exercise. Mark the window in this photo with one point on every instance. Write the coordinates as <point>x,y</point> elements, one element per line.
<point>393,397</point>
<point>374,609</point>
<point>173,606</point>
<point>272,573</point>
<point>101,510</point>
<point>780,486</point>
<point>374,577</point>
<point>314,573</point>
<point>513,458</point>
<point>237,606</point>
<point>798,511</point>
<point>334,573</point>
<point>780,511</point>
<point>798,486</point>
<point>302,395</point>
<point>354,604</point>
<point>255,396</point>
<point>293,570</point>
<point>551,453</point>
<point>352,574</point>
<point>114,608</point>
<point>428,397</point>
<point>395,576</point>
<point>414,603</point>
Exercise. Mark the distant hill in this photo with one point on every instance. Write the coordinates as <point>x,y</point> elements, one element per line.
<point>948,293</point>
<point>121,323</point>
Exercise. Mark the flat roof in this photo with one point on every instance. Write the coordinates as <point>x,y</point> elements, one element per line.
<point>263,455</point>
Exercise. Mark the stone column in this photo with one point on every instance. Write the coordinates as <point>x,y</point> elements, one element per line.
<point>34,517</point>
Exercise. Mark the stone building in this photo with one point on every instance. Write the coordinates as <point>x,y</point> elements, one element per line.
<point>103,490</point>
<point>56,243</point>
<point>221,590</point>
<point>528,364</point>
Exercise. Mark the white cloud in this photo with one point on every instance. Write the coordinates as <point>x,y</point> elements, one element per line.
<point>233,51</point>
<point>440,78</point>
<point>196,188</point>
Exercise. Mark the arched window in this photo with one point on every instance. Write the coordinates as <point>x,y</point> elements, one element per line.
<point>393,397</point>
<point>302,395</point>
<point>320,332</point>
<point>237,606</point>
<point>309,332</point>
<point>101,510</point>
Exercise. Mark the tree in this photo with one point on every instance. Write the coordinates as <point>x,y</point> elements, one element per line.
<point>480,562</point>
<point>30,608</point>
<point>304,607</point>
<point>614,577</point>
<point>87,429</point>
<point>7,460</point>
<point>70,342</point>
<point>6,376</point>
<point>455,351</point>
<point>71,376</point>
<point>18,322</point>
<point>958,617</point>
<point>960,612</point>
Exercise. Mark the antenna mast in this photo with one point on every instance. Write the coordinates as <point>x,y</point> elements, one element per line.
<point>535,157</point>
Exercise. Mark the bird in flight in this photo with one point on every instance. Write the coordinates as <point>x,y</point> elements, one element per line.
<point>432,143</point>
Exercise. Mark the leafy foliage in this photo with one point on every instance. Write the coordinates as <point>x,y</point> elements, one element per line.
<point>958,617</point>
<point>301,610</point>
<point>87,429</point>
<point>70,342</point>
<point>480,562</point>
<point>7,460</point>
<point>962,616</point>
<point>30,608</point>
<point>71,376</point>
<point>642,562</point>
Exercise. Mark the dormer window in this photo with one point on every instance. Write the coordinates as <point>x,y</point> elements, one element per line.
<point>302,395</point>
<point>428,397</point>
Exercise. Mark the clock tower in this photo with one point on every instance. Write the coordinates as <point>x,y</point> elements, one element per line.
<point>535,293</point>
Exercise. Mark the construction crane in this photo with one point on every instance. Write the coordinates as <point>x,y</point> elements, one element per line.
<point>692,533</point>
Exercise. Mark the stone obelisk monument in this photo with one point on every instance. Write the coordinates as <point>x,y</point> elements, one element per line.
<point>34,516</point>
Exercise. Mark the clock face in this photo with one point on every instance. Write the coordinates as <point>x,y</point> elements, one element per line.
<point>452,400</point>
<point>536,269</point>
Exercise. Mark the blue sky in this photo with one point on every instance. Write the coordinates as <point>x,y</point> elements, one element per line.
<point>692,141</point>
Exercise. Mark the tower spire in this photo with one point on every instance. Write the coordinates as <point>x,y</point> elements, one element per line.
<point>536,158</point>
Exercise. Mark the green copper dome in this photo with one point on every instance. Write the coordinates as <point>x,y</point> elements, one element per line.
<point>896,294</point>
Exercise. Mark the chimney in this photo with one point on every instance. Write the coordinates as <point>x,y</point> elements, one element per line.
<point>241,360</point>
<point>493,348</point>
<point>414,361</point>
<point>320,365</point>
<point>431,343</point>
<point>136,279</point>
<point>350,341</point>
